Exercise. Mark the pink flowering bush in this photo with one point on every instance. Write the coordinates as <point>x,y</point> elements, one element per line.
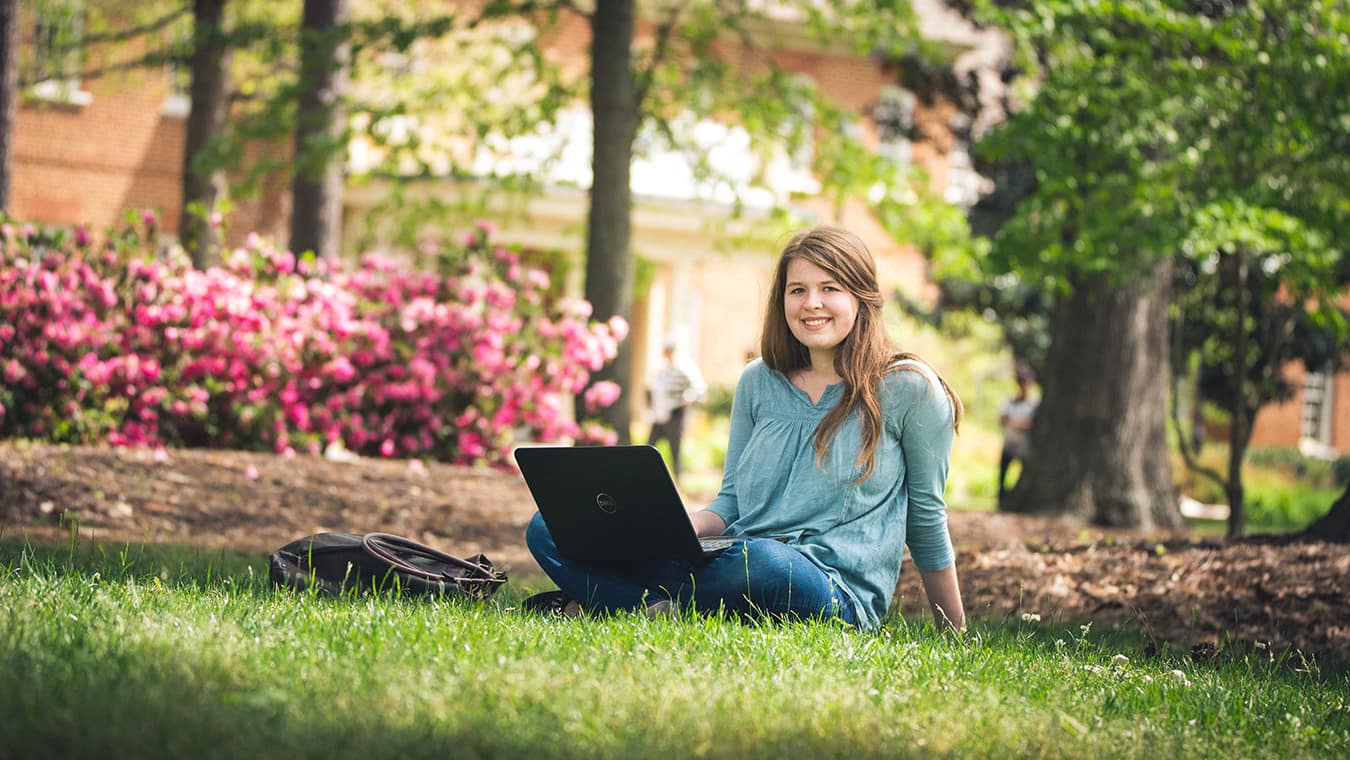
<point>274,351</point>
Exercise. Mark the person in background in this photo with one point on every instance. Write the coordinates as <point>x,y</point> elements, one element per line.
<point>678,385</point>
<point>1015,418</point>
<point>837,460</point>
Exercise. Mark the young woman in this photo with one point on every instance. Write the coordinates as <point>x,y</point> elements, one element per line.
<point>838,442</point>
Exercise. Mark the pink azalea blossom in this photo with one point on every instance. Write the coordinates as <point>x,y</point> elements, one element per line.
<point>602,394</point>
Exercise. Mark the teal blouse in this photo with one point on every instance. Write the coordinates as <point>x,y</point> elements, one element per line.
<point>773,486</point>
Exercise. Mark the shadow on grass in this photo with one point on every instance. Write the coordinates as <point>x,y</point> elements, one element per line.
<point>180,566</point>
<point>1105,642</point>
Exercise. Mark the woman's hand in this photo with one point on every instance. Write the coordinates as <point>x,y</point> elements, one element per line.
<point>707,523</point>
<point>944,596</point>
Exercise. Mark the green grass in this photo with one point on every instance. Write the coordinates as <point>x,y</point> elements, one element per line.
<point>156,651</point>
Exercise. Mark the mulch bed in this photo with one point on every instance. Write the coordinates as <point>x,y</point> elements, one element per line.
<point>1204,595</point>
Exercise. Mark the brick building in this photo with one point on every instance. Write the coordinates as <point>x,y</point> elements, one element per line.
<point>1316,419</point>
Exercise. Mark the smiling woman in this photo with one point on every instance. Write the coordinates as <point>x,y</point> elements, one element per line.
<point>838,443</point>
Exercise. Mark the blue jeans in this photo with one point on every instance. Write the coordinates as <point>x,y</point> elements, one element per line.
<point>755,576</point>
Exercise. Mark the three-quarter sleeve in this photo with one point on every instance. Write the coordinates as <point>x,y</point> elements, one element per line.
<point>926,442</point>
<point>725,504</point>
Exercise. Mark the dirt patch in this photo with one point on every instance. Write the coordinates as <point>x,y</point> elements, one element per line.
<point>1210,594</point>
<point>257,502</point>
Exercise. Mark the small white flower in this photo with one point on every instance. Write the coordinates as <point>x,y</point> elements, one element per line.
<point>1120,661</point>
<point>1031,617</point>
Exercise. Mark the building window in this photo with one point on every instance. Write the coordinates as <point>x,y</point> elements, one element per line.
<point>792,171</point>
<point>963,182</point>
<point>54,68</point>
<point>894,117</point>
<point>178,76</point>
<point>1315,422</point>
<point>799,130</point>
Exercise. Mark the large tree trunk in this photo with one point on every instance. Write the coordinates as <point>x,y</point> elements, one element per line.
<point>1334,525</point>
<point>316,193</point>
<point>1099,443</point>
<point>609,259</point>
<point>9,93</point>
<point>204,187</point>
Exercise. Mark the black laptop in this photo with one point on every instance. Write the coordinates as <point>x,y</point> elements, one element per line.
<point>611,503</point>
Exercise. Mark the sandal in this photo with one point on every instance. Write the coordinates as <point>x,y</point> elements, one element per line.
<point>549,603</point>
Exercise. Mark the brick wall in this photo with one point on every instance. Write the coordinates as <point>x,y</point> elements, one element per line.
<point>86,165</point>
<point>1277,425</point>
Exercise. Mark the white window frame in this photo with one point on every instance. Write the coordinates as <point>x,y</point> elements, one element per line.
<point>1316,413</point>
<point>963,182</point>
<point>896,147</point>
<point>178,103</point>
<point>65,88</point>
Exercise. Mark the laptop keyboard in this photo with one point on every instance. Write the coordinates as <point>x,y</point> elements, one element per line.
<point>717,543</point>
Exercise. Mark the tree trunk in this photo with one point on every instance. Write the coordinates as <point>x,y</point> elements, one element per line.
<point>1239,433</point>
<point>203,187</point>
<point>9,94</point>
<point>1099,442</point>
<point>316,193</point>
<point>1335,524</point>
<point>609,259</point>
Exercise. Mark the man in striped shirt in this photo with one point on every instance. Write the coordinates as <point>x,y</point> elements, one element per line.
<point>677,386</point>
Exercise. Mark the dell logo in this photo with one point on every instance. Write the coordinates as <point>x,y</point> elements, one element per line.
<point>606,503</point>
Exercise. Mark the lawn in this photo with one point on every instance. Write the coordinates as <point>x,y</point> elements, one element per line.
<point>161,651</point>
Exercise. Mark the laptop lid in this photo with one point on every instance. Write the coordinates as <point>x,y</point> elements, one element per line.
<point>608,503</point>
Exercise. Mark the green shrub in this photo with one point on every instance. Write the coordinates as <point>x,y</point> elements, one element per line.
<point>717,402</point>
<point>1285,507</point>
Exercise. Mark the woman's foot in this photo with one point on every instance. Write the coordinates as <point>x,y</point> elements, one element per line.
<point>553,603</point>
<point>659,609</point>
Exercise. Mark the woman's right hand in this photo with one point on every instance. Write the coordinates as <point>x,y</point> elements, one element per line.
<point>707,523</point>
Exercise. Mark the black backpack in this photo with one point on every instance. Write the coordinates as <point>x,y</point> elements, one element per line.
<point>338,562</point>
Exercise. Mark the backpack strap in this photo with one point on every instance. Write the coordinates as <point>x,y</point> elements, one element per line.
<point>388,547</point>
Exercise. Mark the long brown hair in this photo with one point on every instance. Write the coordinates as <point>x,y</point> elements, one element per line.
<point>866,353</point>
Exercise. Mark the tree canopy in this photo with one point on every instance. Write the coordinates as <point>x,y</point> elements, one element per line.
<point>1155,129</point>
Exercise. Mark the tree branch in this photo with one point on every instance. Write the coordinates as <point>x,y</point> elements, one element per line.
<point>659,50</point>
<point>145,61</point>
<point>1187,455</point>
<point>499,8</point>
<point>574,8</point>
<point>747,41</point>
<point>135,31</point>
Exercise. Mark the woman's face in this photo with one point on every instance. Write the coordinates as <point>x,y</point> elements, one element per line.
<point>819,312</point>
